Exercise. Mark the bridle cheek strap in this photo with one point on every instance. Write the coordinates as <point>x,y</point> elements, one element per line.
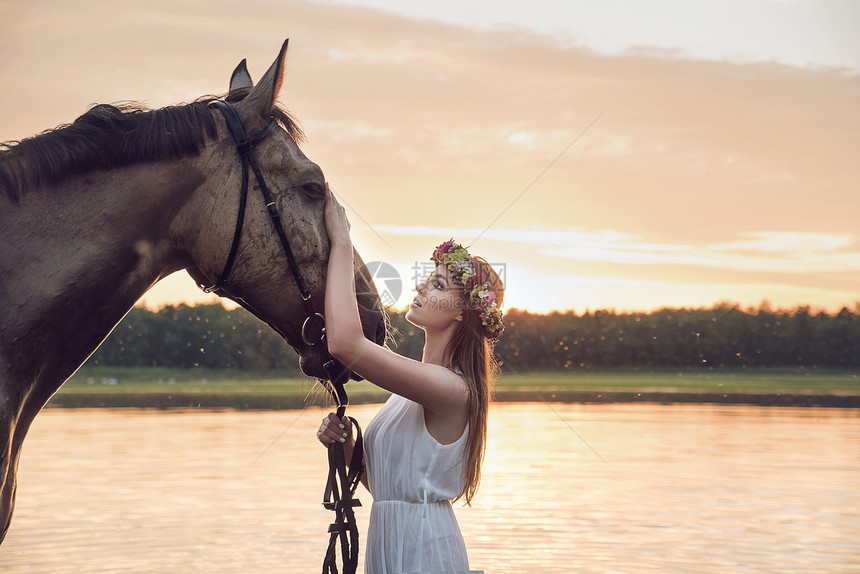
<point>245,148</point>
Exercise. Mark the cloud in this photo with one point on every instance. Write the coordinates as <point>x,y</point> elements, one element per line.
<point>787,242</point>
<point>772,252</point>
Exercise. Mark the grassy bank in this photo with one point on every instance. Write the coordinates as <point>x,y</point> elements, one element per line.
<point>763,380</point>
<point>171,387</point>
<point>164,387</point>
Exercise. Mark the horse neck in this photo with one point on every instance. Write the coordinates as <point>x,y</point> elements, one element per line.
<point>77,257</point>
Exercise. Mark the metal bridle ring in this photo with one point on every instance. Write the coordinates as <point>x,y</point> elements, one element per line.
<point>305,326</point>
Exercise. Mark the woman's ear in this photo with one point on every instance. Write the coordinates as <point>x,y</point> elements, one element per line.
<point>459,316</point>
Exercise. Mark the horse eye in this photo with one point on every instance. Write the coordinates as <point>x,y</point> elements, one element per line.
<point>314,190</point>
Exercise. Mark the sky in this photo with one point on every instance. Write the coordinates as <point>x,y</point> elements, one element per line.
<point>604,155</point>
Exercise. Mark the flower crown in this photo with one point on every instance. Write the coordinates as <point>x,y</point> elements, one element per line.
<point>455,257</point>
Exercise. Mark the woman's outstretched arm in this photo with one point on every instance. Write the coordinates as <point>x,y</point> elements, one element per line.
<point>433,386</point>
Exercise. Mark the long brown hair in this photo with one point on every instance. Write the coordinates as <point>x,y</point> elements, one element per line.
<point>471,352</point>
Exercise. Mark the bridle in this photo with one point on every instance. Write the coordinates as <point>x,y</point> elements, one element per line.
<point>245,147</point>
<point>341,485</point>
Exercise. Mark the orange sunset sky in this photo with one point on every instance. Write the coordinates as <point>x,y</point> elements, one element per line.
<point>626,155</point>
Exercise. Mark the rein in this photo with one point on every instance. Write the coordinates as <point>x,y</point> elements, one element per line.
<point>341,485</point>
<point>339,491</point>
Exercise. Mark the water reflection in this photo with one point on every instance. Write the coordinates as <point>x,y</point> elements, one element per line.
<point>684,488</point>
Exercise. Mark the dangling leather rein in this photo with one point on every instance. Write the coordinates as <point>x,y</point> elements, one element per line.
<point>341,485</point>
<point>339,491</point>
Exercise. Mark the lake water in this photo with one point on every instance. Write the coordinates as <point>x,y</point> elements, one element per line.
<point>567,488</point>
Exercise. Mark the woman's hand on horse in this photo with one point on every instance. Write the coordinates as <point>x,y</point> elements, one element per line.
<point>336,223</point>
<point>335,429</point>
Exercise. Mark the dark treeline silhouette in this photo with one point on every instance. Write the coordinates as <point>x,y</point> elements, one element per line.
<point>722,336</point>
<point>199,336</point>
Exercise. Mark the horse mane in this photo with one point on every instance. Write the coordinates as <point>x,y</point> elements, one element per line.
<point>115,135</point>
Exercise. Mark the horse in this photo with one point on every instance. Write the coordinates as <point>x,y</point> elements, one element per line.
<point>94,213</point>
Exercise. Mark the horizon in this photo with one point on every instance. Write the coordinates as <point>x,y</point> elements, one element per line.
<point>629,156</point>
<point>764,305</point>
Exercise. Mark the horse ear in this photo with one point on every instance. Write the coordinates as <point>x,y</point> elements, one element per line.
<point>263,96</point>
<point>241,78</point>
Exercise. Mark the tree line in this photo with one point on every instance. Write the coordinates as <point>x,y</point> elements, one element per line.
<point>722,336</point>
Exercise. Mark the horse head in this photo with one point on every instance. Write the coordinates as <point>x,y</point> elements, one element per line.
<point>94,213</point>
<point>261,278</point>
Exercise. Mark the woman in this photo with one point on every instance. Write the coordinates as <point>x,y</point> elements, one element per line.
<point>425,446</point>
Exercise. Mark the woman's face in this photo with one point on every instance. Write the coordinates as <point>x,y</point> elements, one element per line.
<point>439,301</point>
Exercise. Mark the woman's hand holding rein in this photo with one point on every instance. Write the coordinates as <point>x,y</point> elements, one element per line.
<point>335,429</point>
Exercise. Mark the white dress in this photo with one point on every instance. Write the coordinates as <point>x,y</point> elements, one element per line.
<point>412,478</point>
